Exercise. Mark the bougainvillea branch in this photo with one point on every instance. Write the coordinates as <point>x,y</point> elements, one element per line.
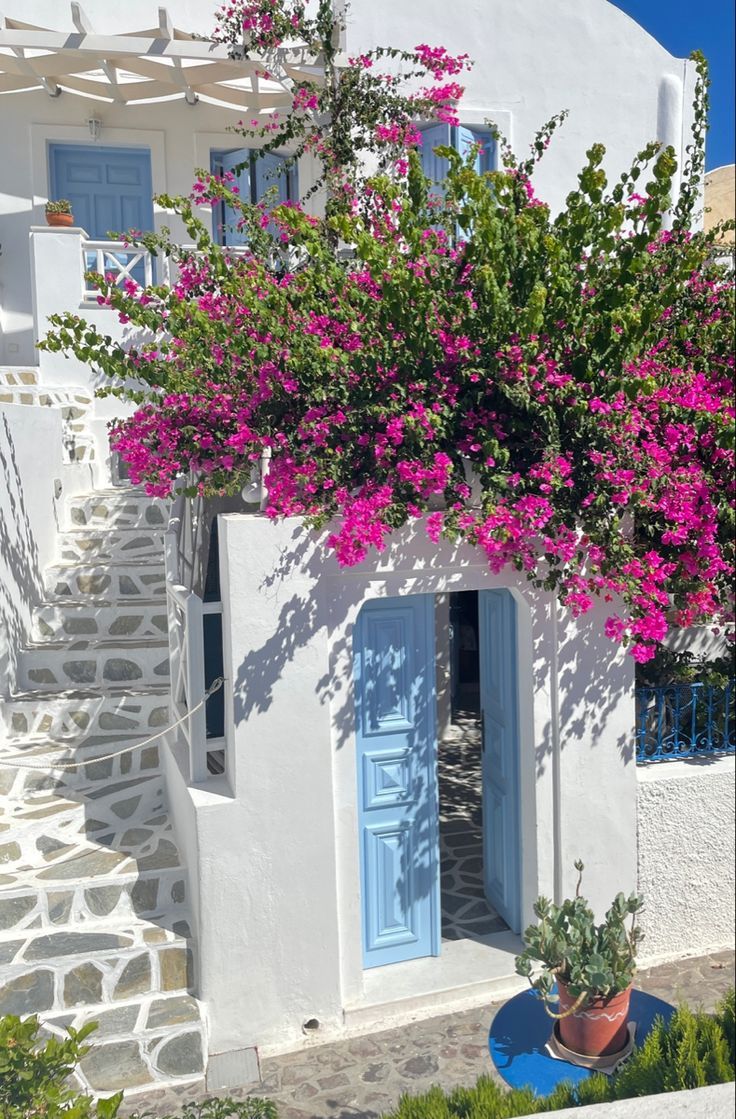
<point>556,390</point>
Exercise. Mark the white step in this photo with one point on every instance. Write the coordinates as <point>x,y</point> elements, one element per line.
<point>119,508</point>
<point>18,375</point>
<point>75,714</point>
<point>69,664</point>
<point>109,580</point>
<point>71,620</point>
<point>111,545</point>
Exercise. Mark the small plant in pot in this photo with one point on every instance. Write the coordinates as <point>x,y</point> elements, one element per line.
<point>592,967</point>
<point>59,212</point>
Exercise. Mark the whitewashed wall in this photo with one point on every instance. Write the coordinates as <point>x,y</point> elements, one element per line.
<point>686,856</point>
<point>28,519</point>
<point>532,59</point>
<point>279,930</point>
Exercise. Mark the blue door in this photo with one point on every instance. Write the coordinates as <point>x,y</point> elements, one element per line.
<point>397,782</point>
<point>253,179</point>
<point>500,750</point>
<point>110,189</point>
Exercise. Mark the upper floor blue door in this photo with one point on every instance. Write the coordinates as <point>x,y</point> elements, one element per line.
<point>110,189</point>
<point>397,784</point>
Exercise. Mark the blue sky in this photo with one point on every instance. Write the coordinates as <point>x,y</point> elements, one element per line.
<point>707,25</point>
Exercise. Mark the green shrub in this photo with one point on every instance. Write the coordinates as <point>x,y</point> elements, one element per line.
<point>34,1074</point>
<point>689,1051</point>
<point>725,1015</point>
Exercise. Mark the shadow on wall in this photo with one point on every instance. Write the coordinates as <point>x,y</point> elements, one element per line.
<point>21,584</point>
<point>590,680</point>
<point>590,671</point>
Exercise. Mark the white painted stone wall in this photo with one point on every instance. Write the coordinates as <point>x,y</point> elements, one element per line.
<point>686,856</point>
<point>532,60</point>
<point>30,468</point>
<point>277,877</point>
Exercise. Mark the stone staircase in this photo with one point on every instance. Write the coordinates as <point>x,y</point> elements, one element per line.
<point>94,920</point>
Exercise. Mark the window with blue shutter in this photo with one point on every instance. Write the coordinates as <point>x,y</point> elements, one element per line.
<point>254,178</point>
<point>460,138</point>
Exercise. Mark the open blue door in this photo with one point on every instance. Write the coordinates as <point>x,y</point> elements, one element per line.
<point>397,782</point>
<point>500,753</point>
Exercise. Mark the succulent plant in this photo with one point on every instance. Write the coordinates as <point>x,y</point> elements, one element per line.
<point>60,206</point>
<point>597,960</point>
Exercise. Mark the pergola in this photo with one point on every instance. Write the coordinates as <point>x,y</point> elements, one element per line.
<point>158,64</point>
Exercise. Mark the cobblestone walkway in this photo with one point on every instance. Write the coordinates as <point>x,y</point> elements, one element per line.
<point>364,1077</point>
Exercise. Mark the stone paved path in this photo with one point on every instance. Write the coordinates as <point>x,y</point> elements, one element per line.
<point>363,1078</point>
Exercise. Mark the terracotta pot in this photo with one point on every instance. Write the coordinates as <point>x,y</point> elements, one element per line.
<point>59,219</point>
<point>598,1027</point>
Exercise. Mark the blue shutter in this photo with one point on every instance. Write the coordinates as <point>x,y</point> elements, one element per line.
<point>270,173</point>
<point>434,167</point>
<point>500,749</point>
<point>231,235</point>
<point>397,784</point>
<point>486,159</point>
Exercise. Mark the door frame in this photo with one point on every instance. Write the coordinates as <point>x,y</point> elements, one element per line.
<point>43,135</point>
<point>398,585</point>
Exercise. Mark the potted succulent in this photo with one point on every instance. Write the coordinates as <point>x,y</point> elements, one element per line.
<point>587,969</point>
<point>59,212</point>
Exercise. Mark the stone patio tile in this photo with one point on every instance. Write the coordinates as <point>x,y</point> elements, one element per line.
<point>363,1077</point>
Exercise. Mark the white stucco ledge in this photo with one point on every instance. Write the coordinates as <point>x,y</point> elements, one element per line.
<point>714,1102</point>
<point>685,769</point>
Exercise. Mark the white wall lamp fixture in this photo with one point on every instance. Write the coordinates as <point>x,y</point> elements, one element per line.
<point>94,124</point>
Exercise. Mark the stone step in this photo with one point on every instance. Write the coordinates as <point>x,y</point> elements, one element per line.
<point>144,894</point>
<point>70,620</point>
<point>77,449</point>
<point>48,831</point>
<point>76,714</point>
<point>153,1041</point>
<point>60,970</point>
<point>112,544</point>
<point>114,580</point>
<point>74,403</point>
<point>119,508</point>
<point>73,765</point>
<point>18,375</point>
<point>114,661</point>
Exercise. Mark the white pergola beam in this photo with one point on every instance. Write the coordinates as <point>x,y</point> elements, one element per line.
<point>160,57</point>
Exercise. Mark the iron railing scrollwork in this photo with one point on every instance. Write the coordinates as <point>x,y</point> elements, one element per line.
<point>685,720</point>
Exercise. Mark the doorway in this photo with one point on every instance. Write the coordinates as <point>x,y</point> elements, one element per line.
<point>466,912</point>
<point>437,814</point>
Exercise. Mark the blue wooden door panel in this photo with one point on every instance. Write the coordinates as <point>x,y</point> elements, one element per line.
<point>110,189</point>
<point>434,166</point>
<point>499,702</point>
<point>397,786</point>
<point>231,235</point>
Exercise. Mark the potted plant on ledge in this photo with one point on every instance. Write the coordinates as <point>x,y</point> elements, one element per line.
<point>587,970</point>
<point>59,212</point>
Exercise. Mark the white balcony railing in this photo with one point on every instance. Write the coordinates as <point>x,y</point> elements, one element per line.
<point>118,262</point>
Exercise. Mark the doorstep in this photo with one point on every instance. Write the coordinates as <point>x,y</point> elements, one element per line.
<point>468,973</point>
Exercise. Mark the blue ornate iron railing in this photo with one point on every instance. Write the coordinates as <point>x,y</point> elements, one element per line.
<point>685,721</point>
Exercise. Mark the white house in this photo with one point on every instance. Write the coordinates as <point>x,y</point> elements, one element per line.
<point>354,829</point>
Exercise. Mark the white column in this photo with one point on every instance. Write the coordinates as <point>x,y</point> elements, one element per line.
<point>57,285</point>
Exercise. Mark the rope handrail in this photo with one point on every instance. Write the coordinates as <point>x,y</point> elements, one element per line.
<point>12,760</point>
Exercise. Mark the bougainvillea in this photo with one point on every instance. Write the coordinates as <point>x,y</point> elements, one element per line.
<point>556,390</point>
